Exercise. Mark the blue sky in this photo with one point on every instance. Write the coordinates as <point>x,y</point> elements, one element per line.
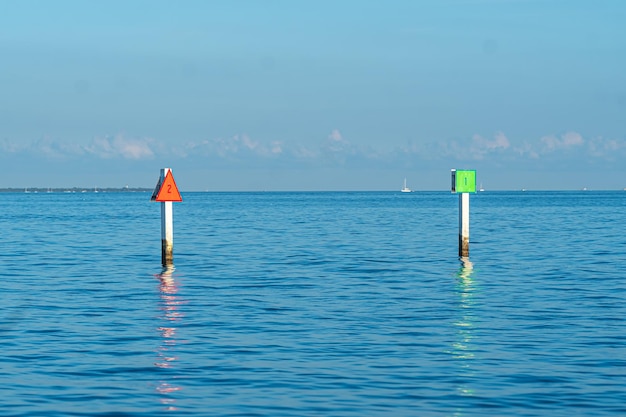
<point>313,95</point>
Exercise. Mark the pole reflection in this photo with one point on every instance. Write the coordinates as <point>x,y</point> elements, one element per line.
<point>171,315</point>
<point>462,350</point>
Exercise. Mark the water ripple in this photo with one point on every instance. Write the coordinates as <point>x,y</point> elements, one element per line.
<point>296,304</point>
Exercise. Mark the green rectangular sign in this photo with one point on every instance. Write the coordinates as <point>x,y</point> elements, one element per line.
<point>464,181</point>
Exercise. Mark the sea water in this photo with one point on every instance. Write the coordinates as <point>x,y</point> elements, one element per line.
<point>313,304</point>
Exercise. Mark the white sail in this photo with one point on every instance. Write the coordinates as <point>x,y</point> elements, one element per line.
<point>405,189</point>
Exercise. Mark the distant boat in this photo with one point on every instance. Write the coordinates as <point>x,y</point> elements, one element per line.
<point>405,189</point>
<point>481,187</point>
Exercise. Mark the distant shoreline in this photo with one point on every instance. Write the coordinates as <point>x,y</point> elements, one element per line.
<point>75,190</point>
<point>149,190</point>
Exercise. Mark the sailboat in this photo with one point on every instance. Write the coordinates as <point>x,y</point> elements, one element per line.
<point>405,189</point>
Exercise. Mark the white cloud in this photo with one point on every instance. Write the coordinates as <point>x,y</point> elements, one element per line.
<point>120,146</point>
<point>526,149</point>
<point>234,146</point>
<point>103,147</point>
<point>276,147</point>
<point>336,144</point>
<point>51,148</point>
<point>481,146</point>
<point>332,150</point>
<point>571,146</point>
<point>46,147</point>
<point>477,148</point>
<point>9,147</point>
<point>335,135</point>
<point>606,148</point>
<point>302,152</point>
<point>566,141</point>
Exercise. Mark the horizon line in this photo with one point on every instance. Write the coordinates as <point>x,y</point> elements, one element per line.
<point>45,190</point>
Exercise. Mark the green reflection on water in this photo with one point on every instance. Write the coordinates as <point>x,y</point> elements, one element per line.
<point>462,348</point>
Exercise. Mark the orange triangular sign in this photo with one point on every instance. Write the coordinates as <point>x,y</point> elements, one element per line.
<point>169,190</point>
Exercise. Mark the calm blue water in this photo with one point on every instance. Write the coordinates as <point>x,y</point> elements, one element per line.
<point>313,304</point>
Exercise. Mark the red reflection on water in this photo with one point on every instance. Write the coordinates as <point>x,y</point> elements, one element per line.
<point>169,305</point>
<point>166,388</point>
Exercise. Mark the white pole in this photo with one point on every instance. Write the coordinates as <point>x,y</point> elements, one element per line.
<point>167,230</point>
<point>464,224</point>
